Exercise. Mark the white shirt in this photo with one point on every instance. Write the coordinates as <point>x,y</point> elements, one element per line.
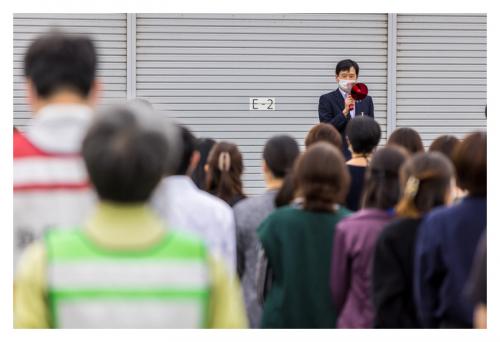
<point>185,207</point>
<point>353,111</point>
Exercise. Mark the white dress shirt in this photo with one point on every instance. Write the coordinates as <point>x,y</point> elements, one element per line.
<point>185,207</point>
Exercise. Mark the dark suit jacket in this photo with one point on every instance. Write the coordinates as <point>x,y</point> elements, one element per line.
<point>330,110</point>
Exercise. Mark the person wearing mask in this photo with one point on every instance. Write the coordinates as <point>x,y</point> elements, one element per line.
<point>124,268</point>
<point>224,169</point>
<point>185,207</point>
<point>338,107</point>
<point>297,242</point>
<point>426,182</point>
<point>447,240</point>
<point>363,135</point>
<point>278,157</point>
<point>51,186</point>
<point>355,238</point>
<point>408,138</point>
<point>203,146</point>
<point>323,132</point>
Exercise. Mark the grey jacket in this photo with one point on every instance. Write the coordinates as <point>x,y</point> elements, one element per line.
<point>249,214</point>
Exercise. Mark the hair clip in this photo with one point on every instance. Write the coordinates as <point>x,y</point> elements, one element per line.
<point>224,161</point>
<point>412,185</point>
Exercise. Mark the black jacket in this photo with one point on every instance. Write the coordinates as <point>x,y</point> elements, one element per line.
<point>330,109</point>
<point>393,275</point>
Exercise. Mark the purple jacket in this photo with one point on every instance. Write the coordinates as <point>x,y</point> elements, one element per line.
<point>351,268</point>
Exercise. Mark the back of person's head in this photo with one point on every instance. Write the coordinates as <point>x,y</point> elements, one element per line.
<point>203,146</point>
<point>381,189</point>
<point>280,153</point>
<point>363,134</point>
<point>323,132</point>
<point>346,65</point>
<point>321,177</point>
<point>124,153</point>
<point>425,181</point>
<point>188,148</point>
<point>444,144</point>
<point>224,171</point>
<point>407,138</point>
<point>469,158</point>
<point>56,61</point>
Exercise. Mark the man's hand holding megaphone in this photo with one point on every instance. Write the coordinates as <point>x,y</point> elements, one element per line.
<point>357,92</point>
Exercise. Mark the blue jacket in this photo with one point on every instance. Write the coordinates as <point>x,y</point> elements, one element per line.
<point>330,109</point>
<point>444,252</point>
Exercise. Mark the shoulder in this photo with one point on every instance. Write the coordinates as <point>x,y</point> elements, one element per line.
<point>439,214</point>
<point>393,229</point>
<point>250,205</point>
<point>210,202</point>
<point>329,95</point>
<point>186,241</point>
<point>25,148</point>
<point>283,215</point>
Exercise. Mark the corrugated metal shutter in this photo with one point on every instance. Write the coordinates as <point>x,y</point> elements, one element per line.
<point>109,32</point>
<point>441,73</point>
<point>204,68</point>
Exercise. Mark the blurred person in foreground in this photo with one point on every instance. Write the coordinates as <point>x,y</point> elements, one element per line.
<point>187,208</point>
<point>51,186</point>
<point>124,268</point>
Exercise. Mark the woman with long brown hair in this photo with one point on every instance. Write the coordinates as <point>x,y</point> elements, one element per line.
<point>355,239</point>
<point>224,169</point>
<point>297,241</point>
<point>426,181</point>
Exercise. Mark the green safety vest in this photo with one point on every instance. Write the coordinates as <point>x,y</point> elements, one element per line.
<point>165,286</point>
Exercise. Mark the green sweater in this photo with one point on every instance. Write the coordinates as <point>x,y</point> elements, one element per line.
<point>298,245</point>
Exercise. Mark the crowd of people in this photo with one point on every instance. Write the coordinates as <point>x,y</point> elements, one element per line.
<point>124,219</point>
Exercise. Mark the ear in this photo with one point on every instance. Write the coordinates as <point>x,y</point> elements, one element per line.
<point>205,168</point>
<point>265,168</point>
<point>95,93</point>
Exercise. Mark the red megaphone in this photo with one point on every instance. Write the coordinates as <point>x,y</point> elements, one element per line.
<point>359,91</point>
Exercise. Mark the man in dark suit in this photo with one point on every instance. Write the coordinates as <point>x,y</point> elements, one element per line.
<point>338,106</point>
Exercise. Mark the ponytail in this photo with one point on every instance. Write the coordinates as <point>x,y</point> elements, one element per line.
<point>286,194</point>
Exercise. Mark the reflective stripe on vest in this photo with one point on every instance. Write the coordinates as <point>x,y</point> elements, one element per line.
<point>166,286</point>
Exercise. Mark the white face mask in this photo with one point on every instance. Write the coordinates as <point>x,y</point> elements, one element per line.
<point>346,85</point>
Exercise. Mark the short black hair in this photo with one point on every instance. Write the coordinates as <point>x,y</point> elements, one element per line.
<point>363,133</point>
<point>125,158</point>
<point>346,64</point>
<point>58,61</point>
<point>280,153</point>
<point>188,148</point>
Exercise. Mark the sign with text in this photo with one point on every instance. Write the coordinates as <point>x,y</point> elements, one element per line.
<point>262,103</point>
